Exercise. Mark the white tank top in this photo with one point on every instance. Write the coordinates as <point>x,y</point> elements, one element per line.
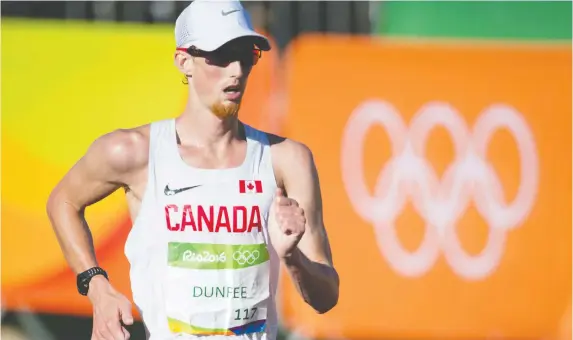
<point>200,255</point>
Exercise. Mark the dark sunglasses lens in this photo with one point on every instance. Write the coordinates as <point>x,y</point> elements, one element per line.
<point>224,57</point>
<point>218,58</point>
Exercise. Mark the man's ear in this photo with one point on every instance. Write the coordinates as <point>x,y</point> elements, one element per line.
<point>184,62</point>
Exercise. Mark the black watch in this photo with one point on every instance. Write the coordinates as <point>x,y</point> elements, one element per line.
<point>83,279</point>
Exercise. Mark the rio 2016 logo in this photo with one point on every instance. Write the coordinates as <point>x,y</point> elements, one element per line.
<point>205,256</point>
<point>441,202</point>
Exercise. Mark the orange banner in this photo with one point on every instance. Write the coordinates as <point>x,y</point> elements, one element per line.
<point>120,76</point>
<point>446,179</point>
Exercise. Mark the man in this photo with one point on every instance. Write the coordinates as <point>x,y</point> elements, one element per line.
<point>216,204</point>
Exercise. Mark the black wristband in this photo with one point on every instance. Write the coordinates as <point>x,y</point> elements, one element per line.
<point>83,279</point>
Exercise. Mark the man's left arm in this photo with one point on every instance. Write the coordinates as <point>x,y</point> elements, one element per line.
<point>310,264</point>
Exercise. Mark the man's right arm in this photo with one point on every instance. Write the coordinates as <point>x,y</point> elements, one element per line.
<point>106,166</point>
<point>111,162</point>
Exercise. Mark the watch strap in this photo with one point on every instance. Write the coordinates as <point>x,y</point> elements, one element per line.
<point>84,278</point>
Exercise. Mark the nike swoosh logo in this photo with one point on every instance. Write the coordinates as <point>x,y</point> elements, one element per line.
<point>171,192</point>
<point>229,12</point>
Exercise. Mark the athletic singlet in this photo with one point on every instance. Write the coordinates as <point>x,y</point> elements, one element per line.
<point>200,255</point>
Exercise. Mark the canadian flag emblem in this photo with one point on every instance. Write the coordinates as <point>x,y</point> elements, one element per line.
<point>250,187</point>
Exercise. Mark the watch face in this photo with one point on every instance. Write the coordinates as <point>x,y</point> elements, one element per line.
<point>82,286</point>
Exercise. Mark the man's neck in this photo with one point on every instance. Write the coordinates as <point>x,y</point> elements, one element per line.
<point>199,127</point>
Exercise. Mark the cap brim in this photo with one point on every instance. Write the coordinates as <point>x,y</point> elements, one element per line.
<point>215,42</point>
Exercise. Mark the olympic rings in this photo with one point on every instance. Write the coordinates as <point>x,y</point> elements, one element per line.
<point>440,202</point>
<point>246,256</point>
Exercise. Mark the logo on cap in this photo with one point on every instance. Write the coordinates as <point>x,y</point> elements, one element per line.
<point>229,12</point>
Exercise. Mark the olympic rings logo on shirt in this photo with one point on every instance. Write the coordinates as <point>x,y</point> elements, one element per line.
<point>441,202</point>
<point>246,256</point>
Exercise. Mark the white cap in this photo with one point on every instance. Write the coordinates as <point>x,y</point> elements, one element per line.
<point>209,24</point>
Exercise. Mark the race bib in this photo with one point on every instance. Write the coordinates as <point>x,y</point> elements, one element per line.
<point>217,289</point>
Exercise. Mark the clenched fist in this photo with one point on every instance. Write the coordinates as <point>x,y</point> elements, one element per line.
<point>286,225</point>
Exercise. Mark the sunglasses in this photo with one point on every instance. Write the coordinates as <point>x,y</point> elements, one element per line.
<point>226,55</point>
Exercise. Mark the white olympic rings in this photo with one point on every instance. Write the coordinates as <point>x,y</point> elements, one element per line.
<point>440,202</point>
<point>246,256</point>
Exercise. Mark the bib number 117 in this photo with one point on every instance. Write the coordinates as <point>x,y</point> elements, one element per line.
<point>245,314</point>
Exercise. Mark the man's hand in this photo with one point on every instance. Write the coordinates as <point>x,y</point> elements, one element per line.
<point>111,309</point>
<point>287,224</point>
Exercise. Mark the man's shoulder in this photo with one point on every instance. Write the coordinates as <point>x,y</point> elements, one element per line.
<point>122,140</point>
<point>288,147</point>
<point>293,163</point>
<point>286,152</point>
<point>123,149</point>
